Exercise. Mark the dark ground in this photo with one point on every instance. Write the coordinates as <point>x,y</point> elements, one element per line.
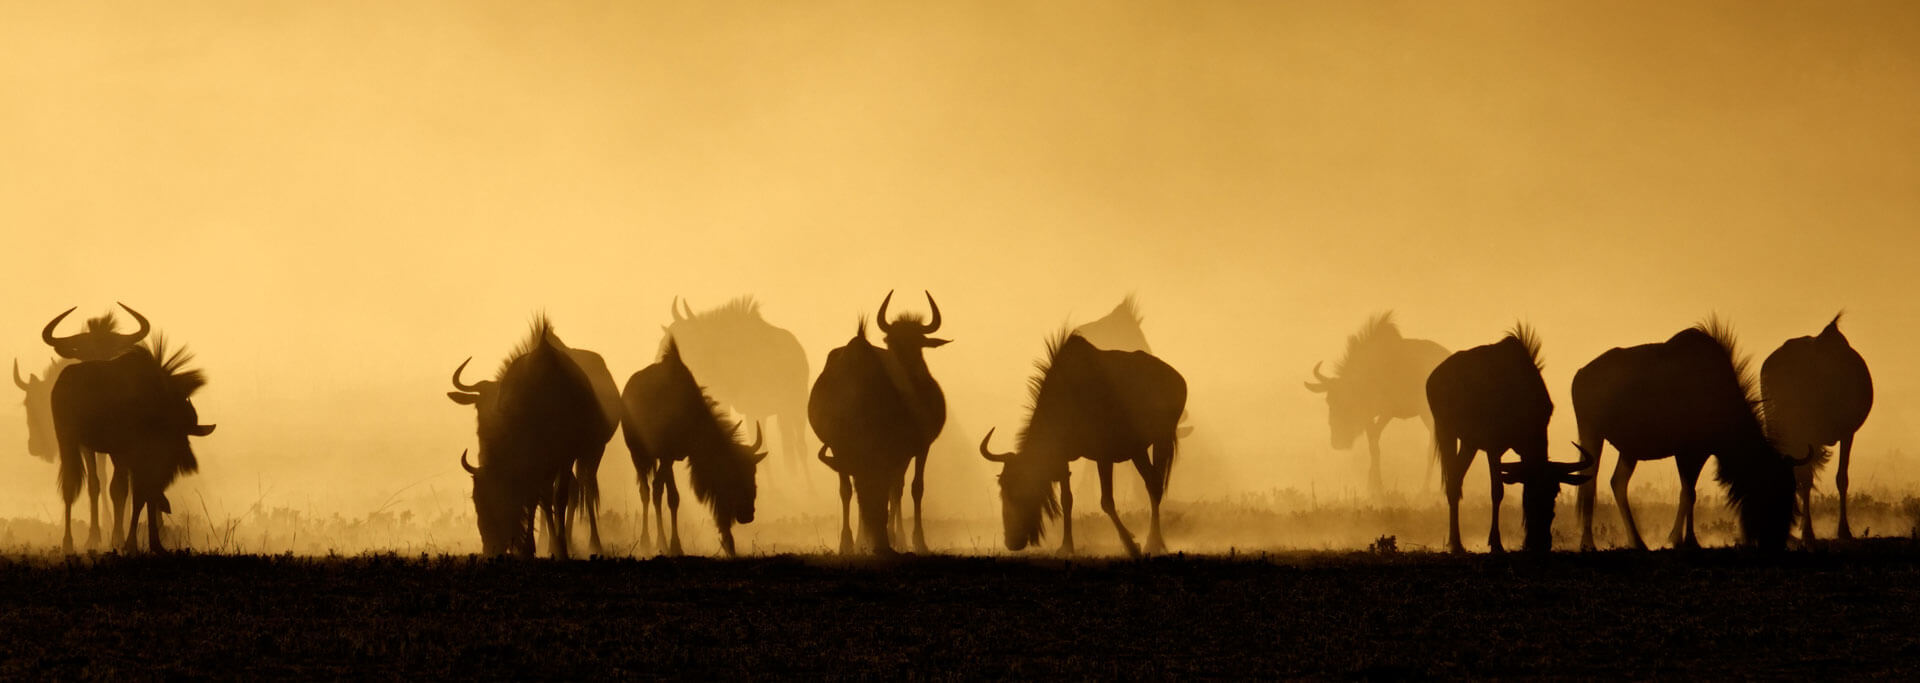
<point>1715,613</point>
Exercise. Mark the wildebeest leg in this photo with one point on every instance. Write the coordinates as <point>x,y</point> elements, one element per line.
<point>673,508</point>
<point>1592,442</point>
<point>71,469</point>
<point>1622,476</point>
<point>1374,483</point>
<point>726,538</point>
<point>659,505</point>
<point>1161,465</point>
<point>133,527</point>
<point>1455,457</point>
<point>846,519</point>
<point>1499,493</point>
<point>588,479</point>
<point>1427,419</point>
<point>919,487</point>
<point>153,524</point>
<point>1840,487</point>
<point>562,496</point>
<point>1682,535</point>
<point>118,490</point>
<point>895,511</point>
<point>91,461</point>
<point>1066,514</point>
<point>1106,505</point>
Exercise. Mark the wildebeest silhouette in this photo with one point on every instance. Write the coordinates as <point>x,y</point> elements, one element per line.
<point>100,341</point>
<point>877,410</point>
<point>1491,399</point>
<point>668,419</point>
<point>586,471</point>
<point>748,365</point>
<point>1816,391</point>
<point>137,408</point>
<point>1688,398</point>
<point>1119,330</point>
<point>39,407</point>
<point>1106,406</point>
<point>1380,379</point>
<point>539,417</point>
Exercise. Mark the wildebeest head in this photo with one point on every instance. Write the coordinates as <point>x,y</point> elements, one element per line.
<point>908,332</point>
<point>99,341</point>
<point>479,394</point>
<point>1347,414</point>
<point>1540,483</point>
<point>39,405</point>
<point>731,480</point>
<point>500,515</point>
<point>1027,497</point>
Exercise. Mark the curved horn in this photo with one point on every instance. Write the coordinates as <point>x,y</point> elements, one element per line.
<point>934,324</point>
<point>456,377</point>
<point>46,333</point>
<point>757,440</point>
<point>1587,459</point>
<point>674,308</point>
<point>144,326</point>
<point>684,306</point>
<point>16,376</point>
<point>463,464</point>
<point>1317,377</point>
<point>988,454</point>
<point>881,317</point>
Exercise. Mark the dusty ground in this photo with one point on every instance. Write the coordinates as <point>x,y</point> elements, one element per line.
<point>1844,611</point>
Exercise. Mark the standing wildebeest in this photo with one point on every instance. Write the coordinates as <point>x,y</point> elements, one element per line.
<point>1817,391</point>
<point>1686,398</point>
<point>668,418</point>
<point>539,417</point>
<point>1106,406</point>
<point>748,365</point>
<point>138,409</point>
<point>100,341</point>
<point>878,410</point>
<point>1378,380</point>
<point>586,496</point>
<point>1491,398</point>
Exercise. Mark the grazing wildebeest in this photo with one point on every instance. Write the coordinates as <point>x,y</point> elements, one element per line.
<point>1686,398</point>
<point>876,411</point>
<point>668,418</point>
<point>1817,391</point>
<point>586,491</point>
<point>1106,406</point>
<point>1378,380</point>
<point>749,366</point>
<point>540,416</point>
<point>100,341</point>
<point>137,408</point>
<point>1491,399</point>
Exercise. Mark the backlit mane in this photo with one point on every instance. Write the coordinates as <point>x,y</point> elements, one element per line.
<point>1524,334</point>
<point>1379,328</point>
<point>1722,333</point>
<point>103,324</point>
<point>541,330</point>
<point>184,382</point>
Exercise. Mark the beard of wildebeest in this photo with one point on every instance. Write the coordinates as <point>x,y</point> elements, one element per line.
<point>1027,499</point>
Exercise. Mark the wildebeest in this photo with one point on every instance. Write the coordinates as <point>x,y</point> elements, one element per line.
<point>878,410</point>
<point>1380,379</point>
<point>1688,398</point>
<point>137,408</point>
<point>1817,391</point>
<point>100,341</point>
<point>1491,399</point>
<point>668,419</point>
<point>1106,406</point>
<point>39,406</point>
<point>539,417</point>
<point>586,491</point>
<point>748,365</point>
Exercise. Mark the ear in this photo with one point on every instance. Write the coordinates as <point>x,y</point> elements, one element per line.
<point>757,457</point>
<point>934,342</point>
<point>201,430</point>
<point>463,398</point>
<point>1182,432</point>
<point>1316,387</point>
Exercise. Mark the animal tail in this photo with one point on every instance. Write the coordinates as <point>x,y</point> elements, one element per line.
<point>1445,450</point>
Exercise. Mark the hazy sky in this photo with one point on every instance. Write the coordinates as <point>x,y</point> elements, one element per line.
<point>335,203</point>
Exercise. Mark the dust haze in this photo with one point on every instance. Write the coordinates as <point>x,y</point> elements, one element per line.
<point>333,205</point>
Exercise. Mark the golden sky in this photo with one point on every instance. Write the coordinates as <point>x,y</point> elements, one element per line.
<point>334,203</point>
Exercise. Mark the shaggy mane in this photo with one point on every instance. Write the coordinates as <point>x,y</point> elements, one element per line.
<point>1722,333</point>
<point>1524,334</point>
<point>1050,506</point>
<point>1379,328</point>
<point>105,323</point>
<point>173,362</point>
<point>539,332</point>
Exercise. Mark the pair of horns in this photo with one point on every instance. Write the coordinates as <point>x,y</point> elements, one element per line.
<point>463,464</point>
<point>887,327</point>
<point>46,333</point>
<point>457,384</point>
<point>1518,472</point>
<point>24,384</point>
<point>679,305</point>
<point>988,453</point>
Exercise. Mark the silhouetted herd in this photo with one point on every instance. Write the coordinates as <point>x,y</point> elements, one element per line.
<point>545,417</point>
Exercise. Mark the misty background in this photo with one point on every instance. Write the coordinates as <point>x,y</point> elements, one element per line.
<point>335,204</point>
